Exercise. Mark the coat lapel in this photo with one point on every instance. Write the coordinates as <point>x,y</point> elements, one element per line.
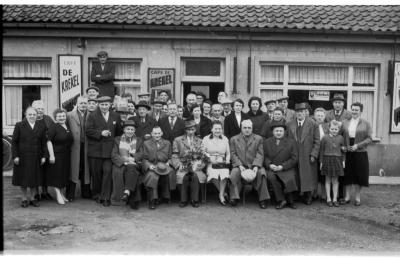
<point>76,117</point>
<point>305,130</point>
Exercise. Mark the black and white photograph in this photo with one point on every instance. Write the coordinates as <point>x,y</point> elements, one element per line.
<point>201,129</point>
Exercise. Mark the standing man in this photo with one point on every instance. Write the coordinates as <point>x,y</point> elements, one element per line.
<point>190,101</point>
<point>144,97</point>
<point>200,98</point>
<point>91,105</point>
<point>92,92</point>
<point>156,152</point>
<point>288,114</point>
<point>172,126</point>
<point>247,153</point>
<point>157,112</point>
<point>305,132</point>
<point>271,105</point>
<point>222,96</point>
<point>163,96</point>
<point>102,126</point>
<point>143,121</point>
<point>103,74</point>
<point>79,169</point>
<point>338,112</point>
<point>226,107</point>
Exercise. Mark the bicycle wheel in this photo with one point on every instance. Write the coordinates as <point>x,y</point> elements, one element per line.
<point>7,158</point>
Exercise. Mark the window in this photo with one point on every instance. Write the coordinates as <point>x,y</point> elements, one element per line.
<point>203,70</point>
<point>357,81</point>
<point>24,80</point>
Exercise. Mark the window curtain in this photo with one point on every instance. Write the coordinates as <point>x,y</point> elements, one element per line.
<point>364,76</point>
<point>12,104</point>
<point>367,99</point>
<point>318,75</point>
<point>127,71</point>
<point>26,69</point>
<point>271,74</point>
<point>267,94</point>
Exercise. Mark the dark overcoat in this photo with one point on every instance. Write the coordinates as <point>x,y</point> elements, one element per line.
<point>284,154</point>
<point>231,125</point>
<point>99,146</point>
<point>266,131</point>
<point>307,146</point>
<point>204,128</point>
<point>105,81</point>
<point>344,115</point>
<point>258,120</point>
<point>144,128</point>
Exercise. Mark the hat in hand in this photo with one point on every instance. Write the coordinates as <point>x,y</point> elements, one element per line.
<point>248,175</point>
<point>162,168</point>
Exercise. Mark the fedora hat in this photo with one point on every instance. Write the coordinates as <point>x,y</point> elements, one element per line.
<point>248,175</point>
<point>338,97</point>
<point>278,125</point>
<point>92,100</point>
<point>102,53</point>
<point>92,87</point>
<point>300,106</point>
<point>129,123</point>
<point>104,99</point>
<point>190,124</point>
<point>142,104</point>
<point>162,168</point>
<point>285,97</point>
<point>159,102</point>
<point>143,94</point>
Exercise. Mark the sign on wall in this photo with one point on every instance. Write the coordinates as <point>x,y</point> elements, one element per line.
<point>318,95</point>
<point>161,79</point>
<point>395,113</point>
<point>70,80</point>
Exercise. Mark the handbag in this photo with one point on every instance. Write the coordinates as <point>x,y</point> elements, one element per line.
<point>220,166</point>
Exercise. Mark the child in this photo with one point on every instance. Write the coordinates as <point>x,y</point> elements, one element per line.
<point>332,161</point>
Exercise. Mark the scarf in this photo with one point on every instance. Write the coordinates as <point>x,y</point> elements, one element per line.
<point>127,146</point>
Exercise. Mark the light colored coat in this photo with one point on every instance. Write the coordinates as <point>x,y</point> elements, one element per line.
<point>75,127</point>
<point>307,146</point>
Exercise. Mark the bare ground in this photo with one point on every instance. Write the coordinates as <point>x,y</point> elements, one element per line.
<point>86,227</point>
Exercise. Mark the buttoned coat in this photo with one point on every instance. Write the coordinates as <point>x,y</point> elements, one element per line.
<point>168,133</point>
<point>143,128</point>
<point>307,146</point>
<point>248,154</point>
<point>284,154</point>
<point>105,81</point>
<point>99,146</point>
<point>75,127</point>
<point>258,119</point>
<point>231,125</point>
<point>344,115</point>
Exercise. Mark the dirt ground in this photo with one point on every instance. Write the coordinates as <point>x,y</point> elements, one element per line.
<point>86,227</point>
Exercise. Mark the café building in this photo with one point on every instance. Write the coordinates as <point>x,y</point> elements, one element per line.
<point>306,52</point>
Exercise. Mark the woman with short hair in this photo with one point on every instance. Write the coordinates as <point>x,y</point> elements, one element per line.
<point>234,119</point>
<point>357,134</point>
<point>203,124</point>
<point>257,116</point>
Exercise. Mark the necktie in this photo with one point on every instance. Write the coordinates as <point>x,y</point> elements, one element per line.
<point>299,132</point>
<point>171,122</point>
<point>142,120</point>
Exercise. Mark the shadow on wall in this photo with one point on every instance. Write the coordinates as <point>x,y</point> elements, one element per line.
<point>386,157</point>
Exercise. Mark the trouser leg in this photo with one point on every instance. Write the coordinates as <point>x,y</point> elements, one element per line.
<point>184,188</point>
<point>194,187</point>
<point>236,183</point>
<point>164,184</point>
<point>106,183</point>
<point>276,186</point>
<point>96,171</point>
<point>263,189</point>
<point>131,176</point>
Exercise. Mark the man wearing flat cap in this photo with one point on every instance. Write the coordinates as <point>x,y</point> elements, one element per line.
<point>247,153</point>
<point>144,97</point>
<point>338,113</point>
<point>288,114</point>
<point>92,92</point>
<point>103,74</point>
<point>305,132</point>
<point>270,104</point>
<point>102,126</point>
<point>157,112</point>
<point>144,122</point>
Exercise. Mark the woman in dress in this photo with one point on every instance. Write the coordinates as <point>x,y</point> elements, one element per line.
<point>257,116</point>
<point>357,134</point>
<point>28,152</point>
<point>216,145</point>
<point>203,124</point>
<point>59,145</point>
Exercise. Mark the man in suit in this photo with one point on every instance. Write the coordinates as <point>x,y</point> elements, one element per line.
<point>156,152</point>
<point>226,107</point>
<point>270,104</point>
<point>102,126</point>
<point>233,120</point>
<point>190,101</point>
<point>338,112</point>
<point>144,97</point>
<point>280,160</point>
<point>79,169</point>
<point>247,153</point>
<point>172,126</point>
<point>288,114</point>
<point>157,112</point>
<point>305,132</point>
<point>216,113</point>
<point>103,74</point>
<point>144,122</point>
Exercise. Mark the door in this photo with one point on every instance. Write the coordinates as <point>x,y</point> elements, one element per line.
<point>210,90</point>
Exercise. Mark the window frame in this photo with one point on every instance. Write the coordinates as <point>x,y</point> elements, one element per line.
<point>211,79</point>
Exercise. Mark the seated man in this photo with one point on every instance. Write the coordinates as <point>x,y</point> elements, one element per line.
<point>280,159</point>
<point>185,177</point>
<point>156,153</point>
<point>247,153</point>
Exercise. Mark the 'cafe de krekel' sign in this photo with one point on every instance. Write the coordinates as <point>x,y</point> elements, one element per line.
<point>161,79</point>
<point>70,79</point>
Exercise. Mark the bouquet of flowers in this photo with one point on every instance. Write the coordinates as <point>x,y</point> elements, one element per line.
<point>194,159</point>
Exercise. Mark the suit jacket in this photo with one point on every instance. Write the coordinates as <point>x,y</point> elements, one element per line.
<point>162,115</point>
<point>186,112</point>
<point>168,133</point>
<point>105,81</point>
<point>231,126</point>
<point>145,128</point>
<point>152,154</point>
<point>363,134</point>
<point>344,115</point>
<point>205,126</point>
<point>248,154</point>
<point>99,146</point>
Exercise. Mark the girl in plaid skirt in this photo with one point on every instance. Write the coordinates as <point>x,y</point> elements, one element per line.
<point>332,161</point>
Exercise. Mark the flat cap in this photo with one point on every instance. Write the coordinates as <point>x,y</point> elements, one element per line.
<point>104,99</point>
<point>102,53</point>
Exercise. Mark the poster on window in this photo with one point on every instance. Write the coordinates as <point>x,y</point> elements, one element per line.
<point>70,80</point>
<point>161,79</point>
<point>395,119</point>
<point>318,95</point>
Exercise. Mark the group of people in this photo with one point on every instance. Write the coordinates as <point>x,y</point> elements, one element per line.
<point>113,147</point>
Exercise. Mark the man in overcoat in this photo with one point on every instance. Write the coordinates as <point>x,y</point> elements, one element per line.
<point>305,132</point>
<point>143,121</point>
<point>338,112</point>
<point>247,153</point>
<point>156,152</point>
<point>102,126</point>
<point>79,169</point>
<point>280,160</point>
<point>288,114</point>
<point>103,73</point>
<point>172,126</point>
<point>157,112</point>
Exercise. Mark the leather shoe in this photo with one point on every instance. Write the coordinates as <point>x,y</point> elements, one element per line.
<point>152,204</point>
<point>329,203</point>
<point>183,204</point>
<point>336,204</point>
<point>125,197</point>
<point>99,200</point>
<point>37,197</point>
<point>107,203</point>
<point>24,203</point>
<point>344,202</point>
<point>233,202</point>
<point>308,202</point>
<point>195,204</point>
<point>263,204</point>
<point>281,205</point>
<point>357,203</point>
<point>34,203</point>
<point>292,206</point>
<point>135,205</point>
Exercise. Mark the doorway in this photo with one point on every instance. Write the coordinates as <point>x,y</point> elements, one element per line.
<point>297,96</point>
<point>210,90</point>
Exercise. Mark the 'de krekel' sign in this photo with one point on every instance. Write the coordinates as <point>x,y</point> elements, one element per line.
<point>70,80</point>
<point>161,78</point>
